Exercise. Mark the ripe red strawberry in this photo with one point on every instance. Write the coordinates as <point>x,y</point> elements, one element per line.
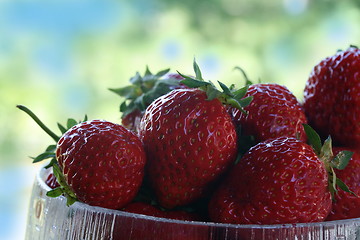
<point>332,97</point>
<point>190,141</point>
<point>132,120</point>
<point>142,91</point>
<point>278,181</point>
<point>51,181</point>
<point>97,162</point>
<point>102,162</point>
<point>150,210</point>
<point>347,205</point>
<point>273,112</point>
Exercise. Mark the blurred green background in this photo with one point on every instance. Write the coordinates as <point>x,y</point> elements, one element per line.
<point>60,57</point>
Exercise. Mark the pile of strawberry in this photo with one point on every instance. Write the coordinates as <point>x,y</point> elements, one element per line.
<point>187,150</point>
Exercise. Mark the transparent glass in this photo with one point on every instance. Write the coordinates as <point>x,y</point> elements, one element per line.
<point>50,218</point>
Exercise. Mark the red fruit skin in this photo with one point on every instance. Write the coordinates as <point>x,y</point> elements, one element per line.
<point>51,181</point>
<point>332,98</point>
<point>347,205</point>
<point>103,163</point>
<point>150,210</point>
<point>274,112</point>
<point>278,181</point>
<point>132,120</point>
<point>190,142</point>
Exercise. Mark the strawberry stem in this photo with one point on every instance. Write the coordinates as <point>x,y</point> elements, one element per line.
<point>39,122</point>
<point>247,80</point>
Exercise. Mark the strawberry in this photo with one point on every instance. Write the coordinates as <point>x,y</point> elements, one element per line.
<point>51,181</point>
<point>274,112</point>
<point>347,205</point>
<point>150,210</point>
<point>142,91</point>
<point>277,181</point>
<point>102,162</point>
<point>97,162</point>
<point>332,97</point>
<point>190,141</point>
<point>132,120</point>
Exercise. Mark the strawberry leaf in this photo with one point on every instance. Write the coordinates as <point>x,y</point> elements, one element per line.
<point>232,102</point>
<point>197,71</point>
<point>51,163</point>
<point>228,96</point>
<point>313,138</point>
<point>128,92</point>
<point>162,73</point>
<point>147,72</point>
<point>62,128</point>
<point>225,89</point>
<point>343,186</point>
<point>123,107</point>
<point>212,93</point>
<point>246,101</point>
<point>326,155</point>
<point>160,88</point>
<point>43,156</point>
<point>144,89</point>
<point>193,83</point>
<point>70,200</point>
<point>333,180</point>
<point>240,93</point>
<point>326,150</point>
<point>71,122</point>
<point>56,192</point>
<point>136,79</point>
<point>341,160</point>
<point>65,188</point>
<point>51,148</point>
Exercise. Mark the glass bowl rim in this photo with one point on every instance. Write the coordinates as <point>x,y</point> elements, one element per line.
<point>43,172</point>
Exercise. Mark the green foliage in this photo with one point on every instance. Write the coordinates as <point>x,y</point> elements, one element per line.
<point>144,90</point>
<point>228,96</point>
<point>325,154</point>
<point>313,138</point>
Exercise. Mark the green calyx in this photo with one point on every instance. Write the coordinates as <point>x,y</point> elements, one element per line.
<point>63,189</point>
<point>49,153</point>
<point>353,46</point>
<point>144,90</point>
<point>325,154</point>
<point>228,96</point>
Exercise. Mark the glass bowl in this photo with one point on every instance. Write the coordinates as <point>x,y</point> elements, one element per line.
<point>50,218</point>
